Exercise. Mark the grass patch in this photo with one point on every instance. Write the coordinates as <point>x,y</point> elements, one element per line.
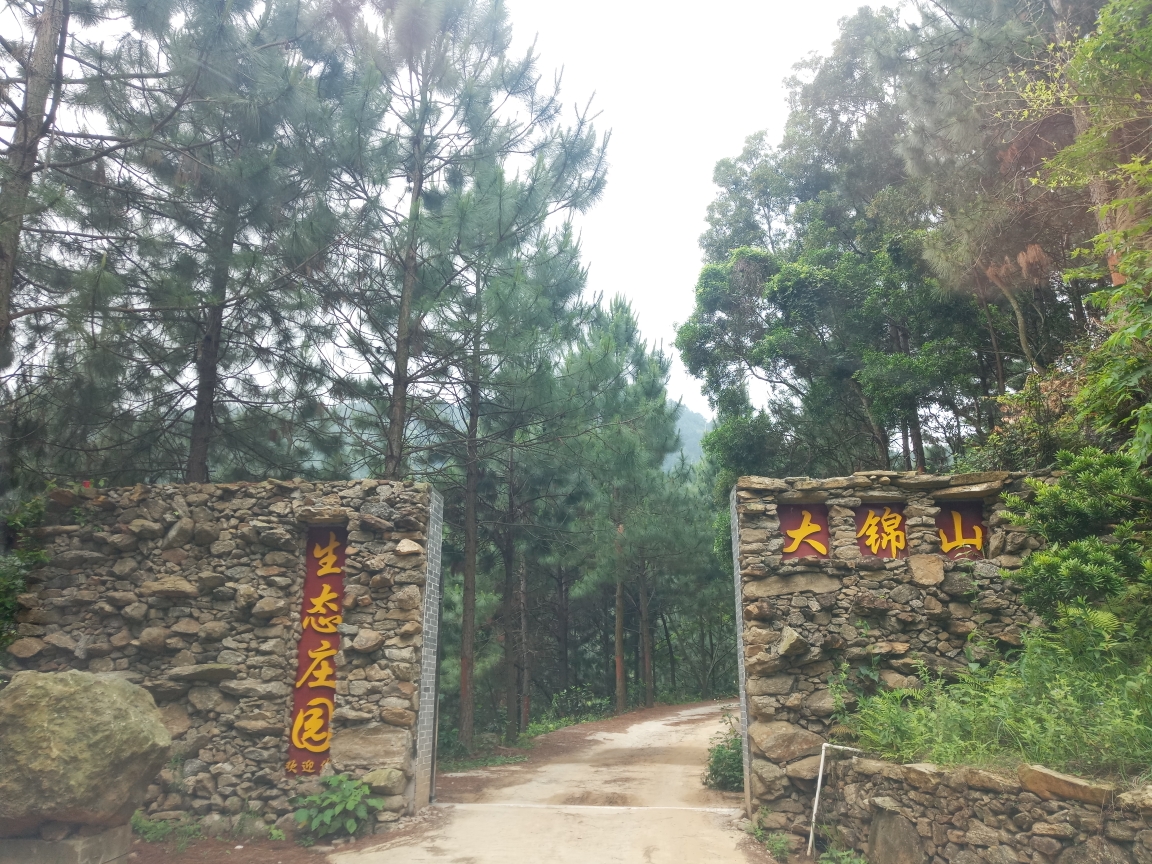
<point>485,760</point>
<point>160,831</point>
<point>1083,712</point>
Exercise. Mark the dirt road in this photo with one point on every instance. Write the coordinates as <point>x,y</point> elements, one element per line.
<point>626,790</point>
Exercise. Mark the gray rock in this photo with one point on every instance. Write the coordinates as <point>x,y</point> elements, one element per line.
<point>78,748</point>
<point>203,672</point>
<point>783,742</point>
<point>179,534</point>
<point>957,583</point>
<point>75,559</point>
<point>153,638</point>
<point>893,840</point>
<point>146,529</point>
<point>386,781</point>
<point>192,767</point>
<point>249,689</point>
<point>205,698</point>
<point>173,587</point>
<point>367,641</point>
<point>372,747</point>
<point>1096,851</point>
<point>270,607</point>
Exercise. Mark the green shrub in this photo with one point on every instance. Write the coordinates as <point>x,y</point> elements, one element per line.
<point>341,808</point>
<point>580,704</point>
<point>1094,516</point>
<point>778,845</point>
<point>151,831</point>
<point>12,584</point>
<point>726,761</point>
<point>841,856</point>
<point>1070,701</point>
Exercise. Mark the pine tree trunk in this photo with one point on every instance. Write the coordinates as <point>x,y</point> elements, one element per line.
<point>671,653</point>
<point>621,672</point>
<point>917,443</point>
<point>510,675</point>
<point>208,351</point>
<point>509,554</point>
<point>646,649</point>
<point>879,436</point>
<point>995,343</point>
<point>471,548</point>
<point>43,75</point>
<point>525,659</point>
<point>562,626</point>
<point>398,410</point>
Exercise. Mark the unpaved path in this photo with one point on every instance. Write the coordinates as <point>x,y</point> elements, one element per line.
<point>626,790</point>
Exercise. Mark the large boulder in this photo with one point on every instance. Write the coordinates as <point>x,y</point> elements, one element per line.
<point>78,748</point>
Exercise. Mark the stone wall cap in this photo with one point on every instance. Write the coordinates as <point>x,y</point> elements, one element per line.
<point>922,481</point>
<point>988,781</point>
<point>979,477</point>
<point>761,484</point>
<point>1049,784</point>
<point>978,490</point>
<point>316,515</point>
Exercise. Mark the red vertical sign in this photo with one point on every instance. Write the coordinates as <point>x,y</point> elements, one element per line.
<point>315,686</point>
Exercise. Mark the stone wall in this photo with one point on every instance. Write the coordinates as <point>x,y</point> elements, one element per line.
<point>195,591</point>
<point>806,615</point>
<point>915,814</point>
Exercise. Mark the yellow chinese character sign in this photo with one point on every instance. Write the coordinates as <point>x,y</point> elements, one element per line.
<point>881,531</point>
<point>960,527</point>
<point>314,699</point>
<point>805,530</point>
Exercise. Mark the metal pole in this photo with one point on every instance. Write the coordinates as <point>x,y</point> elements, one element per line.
<point>819,785</point>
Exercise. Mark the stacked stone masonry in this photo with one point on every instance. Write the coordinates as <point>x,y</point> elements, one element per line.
<point>916,814</point>
<point>194,592</point>
<point>804,618</point>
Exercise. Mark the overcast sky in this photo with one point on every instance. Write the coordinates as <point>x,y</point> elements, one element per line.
<point>680,86</point>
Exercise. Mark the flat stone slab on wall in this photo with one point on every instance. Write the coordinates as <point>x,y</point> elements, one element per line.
<point>194,592</point>
<point>802,616</point>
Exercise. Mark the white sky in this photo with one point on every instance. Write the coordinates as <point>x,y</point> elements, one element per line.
<point>680,86</point>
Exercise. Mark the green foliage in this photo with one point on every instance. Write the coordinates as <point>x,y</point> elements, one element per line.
<point>1035,423</point>
<point>1095,492</point>
<point>578,704</point>
<point>841,856</point>
<point>151,831</point>
<point>1074,704</point>
<point>12,584</point>
<point>1080,572</point>
<point>276,834</point>
<point>726,760</point>
<point>1096,516</point>
<point>160,830</point>
<point>340,808</point>
<point>778,846</point>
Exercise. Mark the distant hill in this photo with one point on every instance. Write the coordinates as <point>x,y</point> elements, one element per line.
<point>691,427</point>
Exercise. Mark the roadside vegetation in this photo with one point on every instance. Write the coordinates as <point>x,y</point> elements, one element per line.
<point>1078,696</point>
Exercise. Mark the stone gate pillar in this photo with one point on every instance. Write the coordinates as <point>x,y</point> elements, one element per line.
<point>881,576</point>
